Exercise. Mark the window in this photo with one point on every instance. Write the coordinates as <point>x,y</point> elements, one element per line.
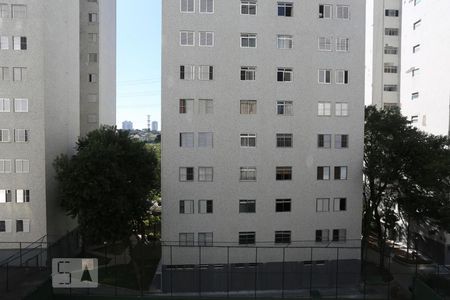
<point>22,225</point>
<point>247,174</point>
<point>92,78</point>
<point>92,98</point>
<point>21,135</point>
<point>325,11</point>
<point>93,18</point>
<point>390,68</point>
<point>207,6</point>
<point>92,58</point>
<point>187,139</point>
<point>390,50</point>
<point>340,141</point>
<point>322,204</point>
<point>186,239</point>
<point>391,12</point>
<point>248,7</point>
<point>417,24</point>
<point>415,96</point>
<point>187,72</point>
<point>247,237</point>
<point>391,31</point>
<point>205,72</point>
<point>22,166</point>
<point>247,206</point>
<point>205,106</point>
<point>187,6</point>
<point>323,173</point>
<point>390,87</point>
<point>284,108</point>
<point>92,37</point>
<point>248,73</point>
<point>342,44</point>
<point>21,105</point>
<point>284,41</point>
<point>285,9</point>
<point>5,196</point>
<point>4,73</point>
<point>340,204</point>
<point>186,206</point>
<point>340,173</point>
<point>19,43</point>
<point>416,48</point>
<point>284,74</point>
<point>282,237</point>
<point>342,12</point>
<point>325,43</point>
<point>283,205</point>
<point>205,239</point>
<point>324,141</point>
<point>284,140</point>
<point>322,235</point>
<point>5,166</point>
<point>248,40</point>
<point>4,135</point>
<point>5,105</point>
<point>19,11</point>
<point>23,196</point>
<point>283,173</point>
<point>186,174</point>
<point>187,38</point>
<point>248,107</point>
<point>339,235</point>
<point>248,140</point>
<point>341,77</point>
<point>206,39</point>
<point>205,174</point>
<point>4,10</point>
<point>6,226</point>
<point>324,109</point>
<point>325,76</point>
<point>4,42</point>
<point>205,206</point>
<point>186,105</point>
<point>19,73</point>
<point>205,139</point>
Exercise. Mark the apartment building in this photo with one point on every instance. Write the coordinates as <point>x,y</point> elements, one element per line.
<point>386,67</point>
<point>50,53</point>
<point>262,118</point>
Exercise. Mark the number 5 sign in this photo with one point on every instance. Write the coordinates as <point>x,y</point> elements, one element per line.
<point>75,273</point>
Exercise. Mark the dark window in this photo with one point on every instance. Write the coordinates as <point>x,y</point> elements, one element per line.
<point>247,238</point>
<point>2,226</point>
<point>391,13</point>
<point>282,237</point>
<point>23,43</point>
<point>285,9</point>
<point>284,173</point>
<point>342,204</point>
<point>284,140</point>
<point>19,225</point>
<point>181,72</point>
<point>247,206</point>
<point>283,205</point>
<point>318,235</point>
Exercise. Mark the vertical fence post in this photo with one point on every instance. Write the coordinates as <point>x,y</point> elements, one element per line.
<point>171,270</point>
<point>282,273</point>
<point>200,271</point>
<point>115,274</point>
<point>228,272</point>
<point>256,269</point>
<point>310,273</point>
<point>337,271</point>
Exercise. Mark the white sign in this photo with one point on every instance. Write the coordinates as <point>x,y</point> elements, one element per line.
<point>75,273</point>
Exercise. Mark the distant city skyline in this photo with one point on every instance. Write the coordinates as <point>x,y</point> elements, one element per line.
<point>138,62</point>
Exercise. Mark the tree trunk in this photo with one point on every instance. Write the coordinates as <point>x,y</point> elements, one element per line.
<point>380,239</point>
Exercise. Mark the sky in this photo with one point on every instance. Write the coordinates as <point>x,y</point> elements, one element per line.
<point>138,62</point>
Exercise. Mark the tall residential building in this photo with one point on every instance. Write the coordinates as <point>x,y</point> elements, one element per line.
<point>425,89</point>
<point>57,81</point>
<point>127,125</point>
<point>262,111</point>
<point>386,67</point>
<point>155,126</point>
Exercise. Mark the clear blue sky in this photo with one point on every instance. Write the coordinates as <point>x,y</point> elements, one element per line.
<point>138,61</point>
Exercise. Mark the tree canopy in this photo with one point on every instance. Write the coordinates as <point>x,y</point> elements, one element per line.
<point>106,184</point>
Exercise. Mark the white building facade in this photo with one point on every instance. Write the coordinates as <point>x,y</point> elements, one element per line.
<point>262,124</point>
<point>47,50</point>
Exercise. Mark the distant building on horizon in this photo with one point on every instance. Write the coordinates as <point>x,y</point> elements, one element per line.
<point>127,125</point>
<point>154,126</point>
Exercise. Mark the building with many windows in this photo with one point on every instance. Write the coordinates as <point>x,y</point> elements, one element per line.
<point>127,125</point>
<point>57,82</point>
<point>263,138</point>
